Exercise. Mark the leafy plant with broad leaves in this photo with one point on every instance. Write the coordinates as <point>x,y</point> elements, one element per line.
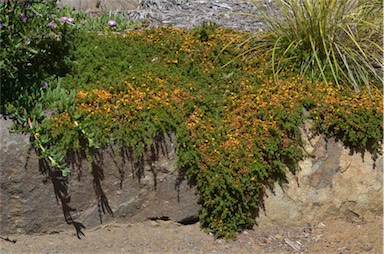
<point>34,43</point>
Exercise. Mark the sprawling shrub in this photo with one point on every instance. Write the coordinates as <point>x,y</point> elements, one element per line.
<point>36,37</point>
<point>238,132</point>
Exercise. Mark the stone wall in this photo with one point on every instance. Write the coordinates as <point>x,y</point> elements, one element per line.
<point>34,200</point>
<point>334,182</point>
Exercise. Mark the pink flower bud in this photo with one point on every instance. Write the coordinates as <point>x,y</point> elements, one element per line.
<point>112,23</point>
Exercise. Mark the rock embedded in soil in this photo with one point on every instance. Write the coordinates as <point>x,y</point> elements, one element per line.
<point>335,182</point>
<point>34,199</point>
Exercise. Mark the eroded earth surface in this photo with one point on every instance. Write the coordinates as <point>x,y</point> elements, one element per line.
<point>334,235</point>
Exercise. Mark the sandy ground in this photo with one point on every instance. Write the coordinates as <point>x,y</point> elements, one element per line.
<point>335,235</point>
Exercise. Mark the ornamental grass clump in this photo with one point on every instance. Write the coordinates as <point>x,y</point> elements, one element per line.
<point>339,41</point>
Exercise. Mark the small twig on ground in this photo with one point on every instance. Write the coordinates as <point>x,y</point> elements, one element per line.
<point>292,244</point>
<point>8,240</point>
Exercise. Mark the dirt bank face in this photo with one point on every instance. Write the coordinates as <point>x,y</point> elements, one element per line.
<point>330,236</point>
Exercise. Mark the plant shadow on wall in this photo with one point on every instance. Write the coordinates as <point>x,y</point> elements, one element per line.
<point>236,124</point>
<point>102,201</point>
<point>125,165</point>
<point>60,187</point>
<point>237,129</point>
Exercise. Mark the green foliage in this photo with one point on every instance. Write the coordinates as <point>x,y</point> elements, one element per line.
<point>32,49</point>
<point>100,22</point>
<point>238,131</point>
<point>205,31</point>
<point>336,40</point>
<point>35,39</point>
<point>52,100</point>
<point>356,119</point>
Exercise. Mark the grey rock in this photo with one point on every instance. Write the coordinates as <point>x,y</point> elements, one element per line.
<point>34,200</point>
<point>336,182</point>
